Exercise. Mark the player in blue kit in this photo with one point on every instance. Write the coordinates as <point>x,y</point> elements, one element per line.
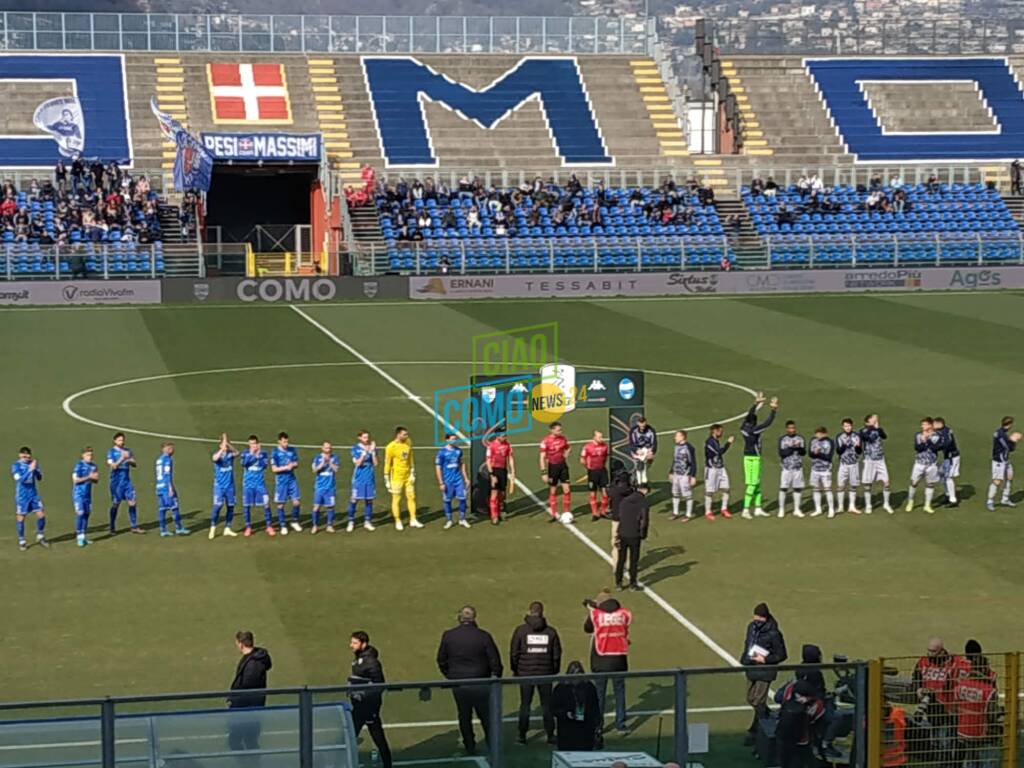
<point>283,462</point>
<point>254,486</point>
<point>83,477</point>
<point>223,486</point>
<point>167,492</point>
<point>364,485</point>
<point>26,474</point>
<point>121,460</point>
<point>325,467</point>
<point>452,479</point>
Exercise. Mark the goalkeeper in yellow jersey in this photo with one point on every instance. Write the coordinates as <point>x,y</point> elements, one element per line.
<point>400,477</point>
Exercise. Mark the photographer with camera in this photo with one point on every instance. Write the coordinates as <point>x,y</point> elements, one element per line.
<point>609,622</point>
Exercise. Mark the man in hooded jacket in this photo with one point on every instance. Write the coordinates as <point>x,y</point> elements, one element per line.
<point>366,670</point>
<point>763,646</point>
<point>536,650</point>
<point>250,675</point>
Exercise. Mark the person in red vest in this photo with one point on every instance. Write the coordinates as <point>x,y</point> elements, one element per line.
<point>934,678</point>
<point>977,714</point>
<point>609,622</point>
<point>894,737</point>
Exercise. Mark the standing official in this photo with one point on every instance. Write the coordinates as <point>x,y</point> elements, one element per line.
<point>536,650</point>
<point>250,675</point>
<point>634,518</point>
<point>594,458</point>
<point>467,652</point>
<point>367,669</point>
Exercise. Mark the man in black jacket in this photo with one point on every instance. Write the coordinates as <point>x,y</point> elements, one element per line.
<point>619,489</point>
<point>536,650</point>
<point>250,675</point>
<point>633,521</point>
<point>763,646</point>
<point>468,652</point>
<point>367,669</point>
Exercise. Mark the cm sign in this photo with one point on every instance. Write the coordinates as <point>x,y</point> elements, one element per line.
<point>286,289</point>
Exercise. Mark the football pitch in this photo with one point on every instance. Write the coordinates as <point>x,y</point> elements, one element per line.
<point>141,614</point>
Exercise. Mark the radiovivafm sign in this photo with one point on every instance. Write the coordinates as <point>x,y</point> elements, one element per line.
<point>451,288</point>
<point>53,293</point>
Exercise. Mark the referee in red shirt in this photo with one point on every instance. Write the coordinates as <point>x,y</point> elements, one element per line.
<point>554,451</point>
<point>502,468</point>
<point>595,458</point>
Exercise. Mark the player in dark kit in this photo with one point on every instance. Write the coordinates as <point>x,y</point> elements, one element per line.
<point>554,450</point>
<point>501,467</point>
<point>595,458</point>
<point>949,470</point>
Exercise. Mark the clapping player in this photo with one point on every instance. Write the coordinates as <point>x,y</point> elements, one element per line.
<point>167,493</point>
<point>821,451</point>
<point>283,462</point>
<point>364,484</point>
<point>875,470</point>
<point>325,468</point>
<point>120,459</point>
<point>26,474</point>
<point>949,470</point>
<point>254,485</point>
<point>849,449</point>
<point>223,486</point>
<point>927,445</point>
<point>752,432</point>
<point>554,451</point>
<point>792,449</point>
<point>83,477</point>
<point>452,479</point>
<point>1003,443</point>
<point>716,476</point>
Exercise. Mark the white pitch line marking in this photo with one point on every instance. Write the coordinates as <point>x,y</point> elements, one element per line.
<point>658,599</point>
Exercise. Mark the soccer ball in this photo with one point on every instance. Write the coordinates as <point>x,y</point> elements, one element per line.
<point>642,454</point>
<point>566,518</point>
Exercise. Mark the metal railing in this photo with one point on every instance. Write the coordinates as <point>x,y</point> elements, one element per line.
<point>99,261</point>
<point>323,34</point>
<point>301,726</point>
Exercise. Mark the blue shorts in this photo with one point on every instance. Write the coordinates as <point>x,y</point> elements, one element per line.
<point>255,497</point>
<point>364,491</point>
<point>166,502</point>
<point>286,488</point>
<point>455,491</point>
<point>83,506</point>
<point>28,504</point>
<point>323,499</point>
<point>224,496</point>
<point>122,492</point>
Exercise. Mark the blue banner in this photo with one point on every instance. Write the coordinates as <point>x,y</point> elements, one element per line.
<point>193,166</point>
<point>273,147</point>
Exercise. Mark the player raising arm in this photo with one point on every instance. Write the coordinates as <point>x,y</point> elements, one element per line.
<point>849,448</point>
<point>716,476</point>
<point>325,468</point>
<point>594,457</point>
<point>949,470</point>
<point>452,479</point>
<point>400,476</point>
<point>875,470</point>
<point>254,485</point>
<point>26,474</point>
<point>120,459</point>
<point>927,445</point>
<point>821,452</point>
<point>167,492</point>
<point>554,452</point>
<point>792,449</point>
<point>643,444</point>
<point>752,432</point>
<point>83,477</point>
<point>501,468</point>
<point>364,484</point>
<point>683,475</point>
<point>283,462</point>
<point>223,486</point>
<point>1003,444</point>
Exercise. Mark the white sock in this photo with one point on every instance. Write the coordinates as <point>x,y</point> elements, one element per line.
<point>796,501</point>
<point>707,505</point>
<point>867,501</point>
<point>951,490</point>
<point>831,502</point>
<point>817,501</point>
<point>725,501</point>
<point>885,496</point>
<point>689,507</point>
<point>675,506</point>
<point>641,474</point>
<point>929,492</point>
<point>992,488</point>
<point>1006,491</point>
<point>782,502</point>
<point>910,494</point>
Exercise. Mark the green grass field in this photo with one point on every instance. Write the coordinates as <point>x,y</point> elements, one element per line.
<point>136,614</point>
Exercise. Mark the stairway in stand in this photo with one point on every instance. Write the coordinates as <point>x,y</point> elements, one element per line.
<point>746,244</point>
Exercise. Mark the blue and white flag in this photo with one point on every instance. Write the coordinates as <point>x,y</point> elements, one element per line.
<point>193,165</point>
<point>62,118</point>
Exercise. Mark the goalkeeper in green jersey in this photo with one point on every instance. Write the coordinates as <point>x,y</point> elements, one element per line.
<point>752,433</point>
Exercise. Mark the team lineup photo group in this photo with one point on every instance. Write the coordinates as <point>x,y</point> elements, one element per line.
<point>858,455</point>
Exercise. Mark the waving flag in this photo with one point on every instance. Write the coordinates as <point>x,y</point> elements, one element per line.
<point>193,166</point>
